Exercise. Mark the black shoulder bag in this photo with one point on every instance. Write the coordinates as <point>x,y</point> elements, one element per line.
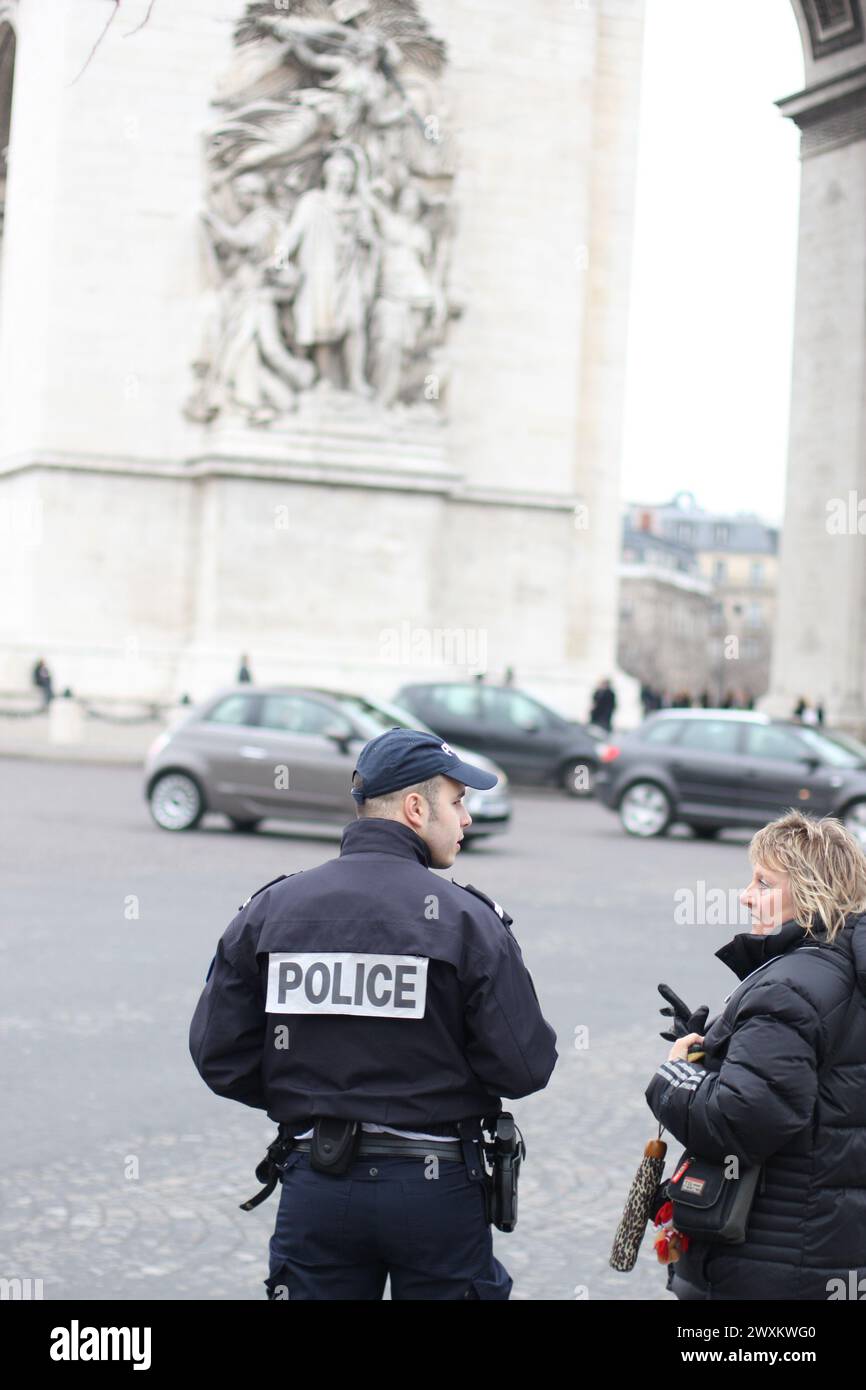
<point>708,1203</point>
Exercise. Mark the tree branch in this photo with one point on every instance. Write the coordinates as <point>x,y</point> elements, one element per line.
<point>106,27</point>
<point>143,22</point>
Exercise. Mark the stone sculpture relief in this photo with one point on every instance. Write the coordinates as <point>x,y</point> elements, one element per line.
<point>329,216</point>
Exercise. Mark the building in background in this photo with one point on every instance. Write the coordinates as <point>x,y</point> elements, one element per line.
<point>713,579</point>
<point>312,341</point>
<point>664,613</point>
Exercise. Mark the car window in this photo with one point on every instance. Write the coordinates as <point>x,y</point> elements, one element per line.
<point>295,714</point>
<point>710,735</point>
<point>768,741</point>
<point>510,707</point>
<point>376,718</point>
<point>839,740</point>
<point>234,709</point>
<point>462,701</point>
<point>663,730</point>
<point>839,750</point>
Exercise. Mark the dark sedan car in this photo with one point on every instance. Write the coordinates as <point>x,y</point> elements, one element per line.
<point>531,741</point>
<point>716,768</point>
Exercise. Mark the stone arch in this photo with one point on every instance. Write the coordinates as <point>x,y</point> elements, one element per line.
<point>827,26</point>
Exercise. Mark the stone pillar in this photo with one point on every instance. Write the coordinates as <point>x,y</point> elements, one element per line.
<point>820,640</point>
<point>593,625</point>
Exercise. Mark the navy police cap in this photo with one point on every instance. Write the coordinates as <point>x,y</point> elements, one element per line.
<point>401,757</point>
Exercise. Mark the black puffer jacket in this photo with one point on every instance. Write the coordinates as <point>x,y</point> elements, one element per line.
<point>784,1084</point>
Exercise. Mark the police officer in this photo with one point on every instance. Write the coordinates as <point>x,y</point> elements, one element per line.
<point>378,1012</point>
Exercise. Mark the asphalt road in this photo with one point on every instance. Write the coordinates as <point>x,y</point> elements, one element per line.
<point>121,1174</point>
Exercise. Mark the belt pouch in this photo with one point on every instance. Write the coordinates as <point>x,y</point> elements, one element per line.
<point>334,1145</point>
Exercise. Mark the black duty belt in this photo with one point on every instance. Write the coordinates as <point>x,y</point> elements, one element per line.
<point>494,1161</point>
<point>268,1171</point>
<point>336,1144</point>
<point>383,1144</point>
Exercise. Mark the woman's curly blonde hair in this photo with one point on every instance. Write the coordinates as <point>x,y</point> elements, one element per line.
<point>825,863</point>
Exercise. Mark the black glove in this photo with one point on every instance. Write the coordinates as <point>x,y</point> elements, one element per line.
<point>683,1021</point>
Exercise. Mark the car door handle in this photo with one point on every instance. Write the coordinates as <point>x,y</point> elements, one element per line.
<point>250,751</point>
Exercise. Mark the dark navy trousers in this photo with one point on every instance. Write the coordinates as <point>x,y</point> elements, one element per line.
<point>421,1222</point>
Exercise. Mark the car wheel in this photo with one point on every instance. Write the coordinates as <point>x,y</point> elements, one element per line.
<point>176,801</point>
<point>577,778</point>
<point>705,832</point>
<point>245,827</point>
<point>854,819</point>
<point>645,809</point>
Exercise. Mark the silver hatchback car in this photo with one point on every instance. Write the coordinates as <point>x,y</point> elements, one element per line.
<point>286,753</point>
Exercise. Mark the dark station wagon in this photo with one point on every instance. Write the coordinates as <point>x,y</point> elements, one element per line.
<point>717,768</point>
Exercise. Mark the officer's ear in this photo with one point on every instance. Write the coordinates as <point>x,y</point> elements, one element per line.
<point>412,806</point>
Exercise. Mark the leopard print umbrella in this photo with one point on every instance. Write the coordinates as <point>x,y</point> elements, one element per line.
<point>638,1207</point>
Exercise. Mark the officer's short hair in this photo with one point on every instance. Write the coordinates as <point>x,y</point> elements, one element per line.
<point>387,804</point>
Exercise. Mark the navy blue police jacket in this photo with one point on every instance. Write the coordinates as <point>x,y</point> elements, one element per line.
<point>371,989</point>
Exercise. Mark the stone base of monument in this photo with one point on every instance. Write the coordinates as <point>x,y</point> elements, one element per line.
<point>359,447</point>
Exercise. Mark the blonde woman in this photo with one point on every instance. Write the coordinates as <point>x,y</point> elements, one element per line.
<point>783,1079</point>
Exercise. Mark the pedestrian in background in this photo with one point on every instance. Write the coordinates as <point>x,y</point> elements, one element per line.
<point>245,675</point>
<point>603,706</point>
<point>42,679</point>
<point>650,698</point>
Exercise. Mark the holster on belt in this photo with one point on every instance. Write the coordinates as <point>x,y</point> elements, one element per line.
<point>501,1152</point>
<point>509,1152</point>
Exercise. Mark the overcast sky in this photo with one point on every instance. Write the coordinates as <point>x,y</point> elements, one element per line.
<point>712,302</point>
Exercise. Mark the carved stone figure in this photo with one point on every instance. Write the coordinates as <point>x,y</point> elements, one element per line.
<point>252,366</point>
<point>336,243</point>
<point>409,301</point>
<point>327,222</point>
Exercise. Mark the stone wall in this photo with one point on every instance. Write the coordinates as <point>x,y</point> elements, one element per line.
<point>168,546</point>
